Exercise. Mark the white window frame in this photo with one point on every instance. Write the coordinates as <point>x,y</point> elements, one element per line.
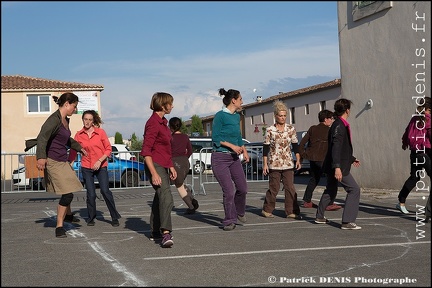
<point>292,115</point>
<point>362,9</point>
<point>39,96</point>
<point>322,105</point>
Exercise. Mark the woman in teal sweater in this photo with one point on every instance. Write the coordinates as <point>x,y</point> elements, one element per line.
<point>227,168</point>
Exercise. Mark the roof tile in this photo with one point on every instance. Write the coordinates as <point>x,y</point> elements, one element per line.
<point>25,83</point>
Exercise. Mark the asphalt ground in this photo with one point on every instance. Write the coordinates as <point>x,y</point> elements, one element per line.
<point>391,249</point>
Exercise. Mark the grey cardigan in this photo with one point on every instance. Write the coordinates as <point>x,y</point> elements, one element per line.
<point>48,130</point>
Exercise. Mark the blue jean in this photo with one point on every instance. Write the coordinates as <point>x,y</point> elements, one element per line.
<point>227,169</point>
<point>102,176</point>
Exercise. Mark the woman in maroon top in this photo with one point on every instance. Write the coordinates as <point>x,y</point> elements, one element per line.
<point>159,168</point>
<point>181,148</point>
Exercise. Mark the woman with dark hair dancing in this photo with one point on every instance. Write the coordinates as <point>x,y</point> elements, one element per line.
<point>181,148</point>
<point>226,165</point>
<point>52,157</point>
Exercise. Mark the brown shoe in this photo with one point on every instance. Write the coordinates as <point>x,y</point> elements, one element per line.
<point>242,218</point>
<point>322,220</point>
<point>295,216</point>
<point>309,205</point>
<point>333,207</point>
<point>266,214</point>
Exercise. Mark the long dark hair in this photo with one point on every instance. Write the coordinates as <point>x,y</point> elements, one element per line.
<point>66,97</point>
<point>96,118</point>
<point>229,95</point>
<point>175,124</point>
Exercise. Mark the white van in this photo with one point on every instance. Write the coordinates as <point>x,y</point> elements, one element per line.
<point>200,160</point>
<point>122,151</point>
<point>204,146</point>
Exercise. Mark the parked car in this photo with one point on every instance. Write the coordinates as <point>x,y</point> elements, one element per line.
<point>200,162</point>
<point>19,179</point>
<point>255,152</point>
<point>204,146</point>
<point>123,173</point>
<point>126,173</point>
<point>122,151</point>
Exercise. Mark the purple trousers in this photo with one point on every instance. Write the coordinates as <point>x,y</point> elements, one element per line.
<point>228,171</point>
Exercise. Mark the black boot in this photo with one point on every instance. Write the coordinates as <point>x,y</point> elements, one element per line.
<point>71,218</point>
<point>190,201</point>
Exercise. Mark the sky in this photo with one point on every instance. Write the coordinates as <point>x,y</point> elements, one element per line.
<point>188,49</point>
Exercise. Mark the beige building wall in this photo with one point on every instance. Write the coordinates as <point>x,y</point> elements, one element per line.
<point>383,58</point>
<point>19,125</point>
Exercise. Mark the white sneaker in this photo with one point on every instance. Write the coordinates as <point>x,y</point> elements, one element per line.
<point>402,208</point>
<point>350,226</point>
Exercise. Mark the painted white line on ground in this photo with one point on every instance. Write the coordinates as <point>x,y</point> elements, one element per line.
<point>273,222</point>
<point>287,250</point>
<point>130,278</point>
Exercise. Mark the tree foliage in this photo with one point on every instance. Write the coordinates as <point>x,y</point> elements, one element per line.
<point>118,138</point>
<point>135,143</point>
<point>196,125</point>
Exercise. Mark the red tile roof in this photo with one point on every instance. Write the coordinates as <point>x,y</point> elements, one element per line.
<point>314,88</point>
<point>26,83</point>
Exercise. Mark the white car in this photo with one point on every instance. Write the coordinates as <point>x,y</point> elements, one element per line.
<point>200,160</point>
<point>121,151</point>
<point>19,179</point>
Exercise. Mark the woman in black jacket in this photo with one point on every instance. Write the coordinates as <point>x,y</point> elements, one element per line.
<point>337,166</point>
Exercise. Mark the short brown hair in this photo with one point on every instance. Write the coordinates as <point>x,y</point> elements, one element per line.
<point>160,100</point>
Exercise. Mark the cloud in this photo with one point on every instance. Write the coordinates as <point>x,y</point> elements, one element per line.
<point>194,81</point>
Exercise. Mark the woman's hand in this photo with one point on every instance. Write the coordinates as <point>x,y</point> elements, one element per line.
<point>41,164</point>
<point>156,179</point>
<point>173,173</point>
<point>97,165</point>
<point>338,174</point>
<point>265,169</point>
<point>237,149</point>
<point>246,157</point>
<point>356,163</point>
<point>298,165</point>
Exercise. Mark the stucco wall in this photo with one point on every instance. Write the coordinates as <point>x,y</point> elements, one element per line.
<point>376,57</point>
<point>18,125</point>
<point>302,121</point>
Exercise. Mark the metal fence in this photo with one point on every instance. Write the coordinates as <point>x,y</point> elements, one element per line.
<point>123,174</point>
<point>13,177</point>
<point>252,169</point>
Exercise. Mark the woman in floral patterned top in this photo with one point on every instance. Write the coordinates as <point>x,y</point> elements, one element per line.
<point>278,163</point>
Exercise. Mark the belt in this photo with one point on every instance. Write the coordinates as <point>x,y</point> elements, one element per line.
<point>228,152</point>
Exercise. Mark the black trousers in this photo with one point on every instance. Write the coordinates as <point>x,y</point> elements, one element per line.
<point>316,173</point>
<point>418,161</point>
